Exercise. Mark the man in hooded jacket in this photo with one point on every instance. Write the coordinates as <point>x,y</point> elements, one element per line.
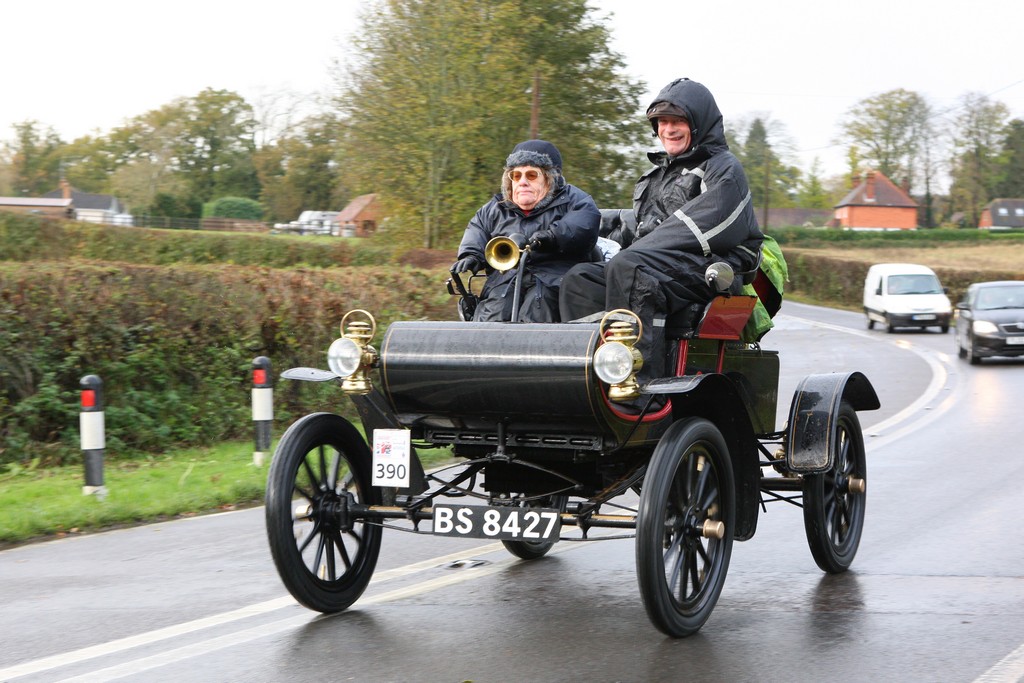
<point>692,209</point>
<point>561,228</point>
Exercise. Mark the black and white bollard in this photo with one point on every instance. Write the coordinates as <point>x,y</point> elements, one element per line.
<point>93,435</point>
<point>262,407</point>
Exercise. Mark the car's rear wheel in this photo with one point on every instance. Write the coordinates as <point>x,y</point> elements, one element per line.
<point>834,501</point>
<point>532,550</point>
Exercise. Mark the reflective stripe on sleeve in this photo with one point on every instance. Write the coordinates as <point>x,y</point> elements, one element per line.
<point>705,237</point>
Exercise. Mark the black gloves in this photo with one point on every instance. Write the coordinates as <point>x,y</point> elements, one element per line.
<point>543,240</point>
<point>468,263</point>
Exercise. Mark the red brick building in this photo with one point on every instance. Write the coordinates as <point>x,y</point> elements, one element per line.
<point>876,203</point>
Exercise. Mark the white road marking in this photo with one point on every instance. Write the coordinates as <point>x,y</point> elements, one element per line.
<point>940,376</point>
<point>180,654</point>
<point>122,644</point>
<point>1009,669</point>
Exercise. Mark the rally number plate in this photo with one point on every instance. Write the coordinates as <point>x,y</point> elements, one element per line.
<point>499,523</point>
<point>1015,340</point>
<point>924,316</point>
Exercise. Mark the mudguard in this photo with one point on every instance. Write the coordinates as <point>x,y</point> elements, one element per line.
<point>374,414</point>
<point>811,430</point>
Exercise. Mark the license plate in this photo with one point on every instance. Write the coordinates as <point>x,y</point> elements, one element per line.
<point>500,523</point>
<point>924,316</point>
<point>1015,340</point>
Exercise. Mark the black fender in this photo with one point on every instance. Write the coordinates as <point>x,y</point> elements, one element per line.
<point>811,429</point>
<point>716,397</point>
<point>374,413</point>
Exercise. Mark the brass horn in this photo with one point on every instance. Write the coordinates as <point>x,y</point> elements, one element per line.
<point>503,253</point>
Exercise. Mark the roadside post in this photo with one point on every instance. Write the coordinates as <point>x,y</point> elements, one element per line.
<point>92,429</point>
<point>262,407</point>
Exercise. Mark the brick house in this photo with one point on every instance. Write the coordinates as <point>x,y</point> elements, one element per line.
<point>360,217</point>
<point>876,203</point>
<point>1002,214</point>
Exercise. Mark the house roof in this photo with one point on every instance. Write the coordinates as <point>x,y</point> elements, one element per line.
<point>87,200</point>
<point>355,207</point>
<point>875,189</point>
<point>1007,213</point>
<point>35,201</point>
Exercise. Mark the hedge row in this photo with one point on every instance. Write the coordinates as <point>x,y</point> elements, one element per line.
<point>27,238</point>
<point>841,281</point>
<point>870,239</point>
<point>174,346</point>
<point>171,320</point>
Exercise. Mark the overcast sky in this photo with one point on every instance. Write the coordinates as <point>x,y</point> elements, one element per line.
<point>86,67</point>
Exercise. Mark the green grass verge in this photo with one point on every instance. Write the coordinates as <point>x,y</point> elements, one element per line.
<point>36,504</point>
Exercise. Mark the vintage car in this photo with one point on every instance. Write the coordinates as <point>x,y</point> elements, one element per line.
<point>554,439</point>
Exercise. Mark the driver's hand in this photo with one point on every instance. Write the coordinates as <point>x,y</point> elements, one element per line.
<point>467,263</point>
<point>544,240</point>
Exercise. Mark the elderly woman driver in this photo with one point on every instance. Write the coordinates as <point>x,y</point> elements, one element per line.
<point>559,221</point>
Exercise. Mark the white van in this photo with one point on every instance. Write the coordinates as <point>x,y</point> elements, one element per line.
<point>905,295</point>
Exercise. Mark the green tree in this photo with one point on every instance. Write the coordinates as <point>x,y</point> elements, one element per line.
<point>300,170</point>
<point>235,207</point>
<point>35,159</point>
<point>812,193</point>
<point>89,163</point>
<point>443,90</point>
<point>174,206</point>
<point>215,149</point>
<point>889,131</point>
<point>1011,181</point>
<point>773,182</point>
<point>976,146</point>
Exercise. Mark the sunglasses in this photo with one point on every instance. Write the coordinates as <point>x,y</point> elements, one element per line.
<point>531,175</point>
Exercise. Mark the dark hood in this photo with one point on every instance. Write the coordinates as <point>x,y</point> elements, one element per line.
<point>706,125</point>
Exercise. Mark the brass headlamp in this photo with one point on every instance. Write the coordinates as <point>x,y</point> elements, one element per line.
<point>351,356</point>
<point>617,360</point>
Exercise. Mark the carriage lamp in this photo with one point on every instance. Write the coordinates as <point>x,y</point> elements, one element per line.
<point>617,360</point>
<point>351,356</point>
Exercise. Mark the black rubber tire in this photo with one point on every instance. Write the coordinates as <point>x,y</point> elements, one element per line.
<point>944,328</point>
<point>889,327</point>
<point>871,324</point>
<point>322,461</point>
<point>961,352</point>
<point>833,515</point>
<point>680,572</point>
<point>533,550</point>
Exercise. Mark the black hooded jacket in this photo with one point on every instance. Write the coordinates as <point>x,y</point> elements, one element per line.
<point>571,214</point>
<point>698,202</point>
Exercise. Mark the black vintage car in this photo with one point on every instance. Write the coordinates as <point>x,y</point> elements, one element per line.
<point>990,320</point>
<point>554,439</point>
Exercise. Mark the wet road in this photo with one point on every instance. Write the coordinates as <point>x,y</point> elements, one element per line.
<point>936,592</point>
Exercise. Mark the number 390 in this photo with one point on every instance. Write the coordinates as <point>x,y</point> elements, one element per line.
<point>390,471</point>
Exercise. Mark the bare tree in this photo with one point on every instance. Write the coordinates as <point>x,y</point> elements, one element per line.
<point>889,131</point>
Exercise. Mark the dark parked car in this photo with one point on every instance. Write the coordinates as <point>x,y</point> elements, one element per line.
<point>990,320</point>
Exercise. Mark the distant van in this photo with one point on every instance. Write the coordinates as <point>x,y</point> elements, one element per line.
<point>905,295</point>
